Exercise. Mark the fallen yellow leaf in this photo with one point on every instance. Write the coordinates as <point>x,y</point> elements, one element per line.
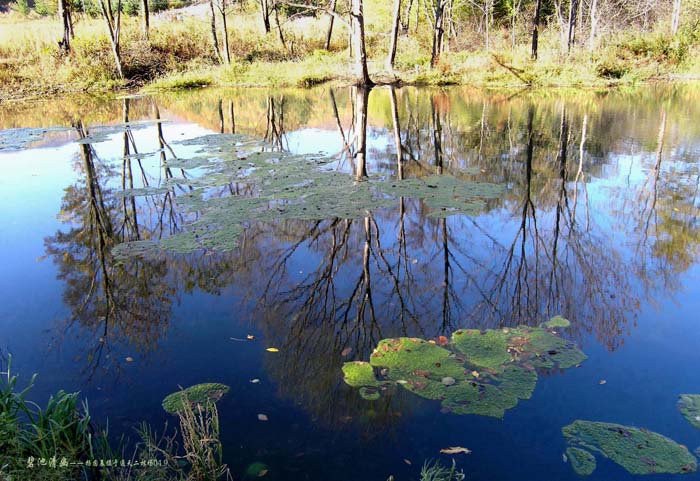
<point>455,450</point>
<point>272,349</point>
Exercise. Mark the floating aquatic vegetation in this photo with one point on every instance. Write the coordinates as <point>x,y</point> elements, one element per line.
<point>359,373</point>
<point>689,406</point>
<point>445,195</point>
<point>17,139</point>
<point>582,462</point>
<point>197,394</point>
<point>256,470</point>
<point>281,185</point>
<point>637,450</point>
<point>484,373</point>
<point>483,349</point>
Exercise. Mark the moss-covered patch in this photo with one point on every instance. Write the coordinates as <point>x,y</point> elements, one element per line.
<point>557,322</point>
<point>689,406</point>
<point>483,373</point>
<point>197,394</point>
<point>582,462</point>
<point>637,450</point>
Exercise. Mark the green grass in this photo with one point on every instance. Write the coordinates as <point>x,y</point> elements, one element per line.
<point>179,55</point>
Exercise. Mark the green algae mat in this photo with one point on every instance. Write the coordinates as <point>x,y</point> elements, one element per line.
<point>476,372</point>
<point>637,450</point>
<point>273,186</point>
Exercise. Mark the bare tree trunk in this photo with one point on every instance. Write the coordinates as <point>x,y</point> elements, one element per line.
<point>488,7</point>
<point>279,28</point>
<point>394,35</point>
<point>676,16</point>
<point>265,10</point>
<point>113,28</point>
<point>535,29</point>
<point>232,116</point>
<point>223,9</point>
<point>573,11</point>
<point>438,32</point>
<point>516,9</point>
<point>146,20</point>
<point>358,41</point>
<point>64,13</point>
<point>594,24</point>
<point>214,39</point>
<point>331,19</point>
<point>361,101</point>
<point>406,25</point>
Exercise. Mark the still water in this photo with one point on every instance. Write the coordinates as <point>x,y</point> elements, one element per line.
<point>594,217</point>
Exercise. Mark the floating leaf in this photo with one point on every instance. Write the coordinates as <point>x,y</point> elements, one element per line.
<point>262,417</point>
<point>345,352</point>
<point>250,337</point>
<point>272,349</point>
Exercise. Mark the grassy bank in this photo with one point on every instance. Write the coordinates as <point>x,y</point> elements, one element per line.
<point>179,54</point>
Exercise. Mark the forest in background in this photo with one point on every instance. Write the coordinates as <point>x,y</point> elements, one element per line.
<point>60,46</point>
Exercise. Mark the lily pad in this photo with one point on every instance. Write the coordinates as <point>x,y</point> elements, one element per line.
<point>639,451</point>
<point>582,462</point>
<point>204,394</point>
<point>689,406</point>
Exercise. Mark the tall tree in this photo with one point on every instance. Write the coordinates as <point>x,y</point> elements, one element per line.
<point>64,13</point>
<point>145,25</point>
<point>536,28</point>
<point>438,32</point>
<point>676,16</point>
<point>357,23</point>
<point>113,29</point>
<point>394,34</point>
<point>331,19</point>
<point>265,12</point>
<point>214,38</point>
<point>573,11</point>
<point>223,6</point>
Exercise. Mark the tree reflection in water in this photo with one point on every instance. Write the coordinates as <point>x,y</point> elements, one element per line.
<point>540,250</point>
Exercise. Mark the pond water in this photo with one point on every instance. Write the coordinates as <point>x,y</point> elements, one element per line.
<point>580,204</point>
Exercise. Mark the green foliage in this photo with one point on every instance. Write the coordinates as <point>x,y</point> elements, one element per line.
<point>436,471</point>
<point>637,450</point>
<point>23,6</point>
